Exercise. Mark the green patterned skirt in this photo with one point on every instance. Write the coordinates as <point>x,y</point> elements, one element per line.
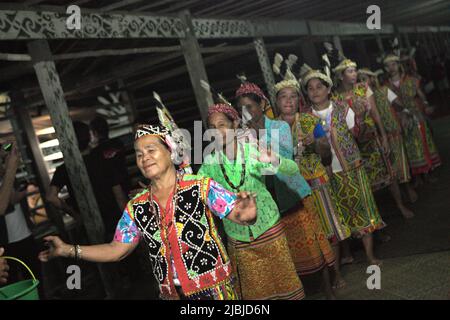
<point>355,201</point>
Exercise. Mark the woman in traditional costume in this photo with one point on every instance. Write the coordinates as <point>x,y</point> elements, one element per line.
<point>310,248</point>
<point>312,153</point>
<point>372,141</point>
<point>260,252</point>
<point>349,181</point>
<point>422,153</point>
<point>174,215</point>
<point>393,114</point>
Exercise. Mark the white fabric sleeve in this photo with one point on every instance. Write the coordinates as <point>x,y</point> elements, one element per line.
<point>350,119</point>
<point>391,95</point>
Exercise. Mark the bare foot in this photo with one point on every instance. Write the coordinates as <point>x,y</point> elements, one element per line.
<point>383,237</point>
<point>339,283</point>
<point>418,182</point>
<point>347,260</point>
<point>412,194</point>
<point>375,262</point>
<point>407,214</point>
<point>331,296</point>
<point>430,179</point>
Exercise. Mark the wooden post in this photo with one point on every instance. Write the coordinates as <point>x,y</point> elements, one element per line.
<point>129,102</point>
<point>423,44</point>
<point>53,94</point>
<point>362,52</point>
<point>338,44</point>
<point>24,121</point>
<point>432,43</point>
<point>266,68</point>
<point>438,43</point>
<point>380,43</point>
<point>26,136</point>
<point>398,35</point>
<point>446,38</point>
<point>195,65</point>
<point>309,52</point>
<point>407,42</point>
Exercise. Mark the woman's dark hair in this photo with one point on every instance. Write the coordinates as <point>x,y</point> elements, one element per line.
<point>251,96</point>
<point>326,84</point>
<point>228,117</point>
<point>305,88</point>
<point>276,96</point>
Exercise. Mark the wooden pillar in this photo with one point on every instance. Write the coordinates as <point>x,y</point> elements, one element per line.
<point>195,65</point>
<point>399,37</point>
<point>24,121</point>
<point>23,127</point>
<point>338,44</point>
<point>129,102</point>
<point>53,94</point>
<point>362,52</point>
<point>438,43</point>
<point>424,44</point>
<point>407,42</point>
<point>309,52</point>
<point>432,44</point>
<point>380,44</point>
<point>266,68</point>
<point>446,38</point>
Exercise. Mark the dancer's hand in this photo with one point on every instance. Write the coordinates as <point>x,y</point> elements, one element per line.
<point>245,208</point>
<point>58,248</point>
<point>386,146</point>
<point>3,268</point>
<point>267,156</point>
<point>308,139</point>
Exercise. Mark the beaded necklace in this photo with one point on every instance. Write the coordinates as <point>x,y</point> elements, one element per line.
<point>162,222</point>
<point>227,179</point>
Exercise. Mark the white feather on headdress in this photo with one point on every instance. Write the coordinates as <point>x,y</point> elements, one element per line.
<point>277,61</point>
<point>328,46</point>
<point>378,72</point>
<point>242,78</point>
<point>305,68</point>
<point>327,67</point>
<point>158,98</point>
<point>177,139</point>
<point>205,85</point>
<point>291,60</point>
<point>395,42</point>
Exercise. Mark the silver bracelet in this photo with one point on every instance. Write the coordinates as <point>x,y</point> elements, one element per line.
<point>72,252</point>
<point>77,252</point>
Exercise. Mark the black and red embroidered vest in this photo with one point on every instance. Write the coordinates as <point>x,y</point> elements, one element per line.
<point>189,240</point>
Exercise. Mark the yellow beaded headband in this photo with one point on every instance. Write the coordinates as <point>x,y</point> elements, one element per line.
<point>367,72</point>
<point>346,63</point>
<point>313,74</point>
<point>391,58</point>
<point>287,84</point>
